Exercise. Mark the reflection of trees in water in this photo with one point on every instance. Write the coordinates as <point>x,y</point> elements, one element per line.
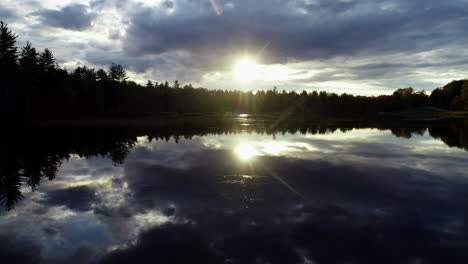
<point>407,132</point>
<point>29,156</point>
<point>18,168</point>
<point>453,135</point>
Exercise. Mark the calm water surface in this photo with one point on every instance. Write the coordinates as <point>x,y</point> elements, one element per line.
<point>304,195</point>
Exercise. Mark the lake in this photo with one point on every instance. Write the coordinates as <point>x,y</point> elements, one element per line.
<point>243,192</point>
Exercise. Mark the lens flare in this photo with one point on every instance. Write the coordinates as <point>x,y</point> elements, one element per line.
<point>217,7</point>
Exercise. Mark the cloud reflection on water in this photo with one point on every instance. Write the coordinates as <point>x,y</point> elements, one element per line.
<point>364,197</point>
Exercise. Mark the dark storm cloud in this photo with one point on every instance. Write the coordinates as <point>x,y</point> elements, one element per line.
<point>324,29</point>
<point>76,198</point>
<point>73,17</point>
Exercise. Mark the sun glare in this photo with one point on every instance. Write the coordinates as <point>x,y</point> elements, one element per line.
<point>245,152</point>
<point>245,69</point>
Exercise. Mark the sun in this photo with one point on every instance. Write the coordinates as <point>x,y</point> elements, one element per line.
<point>245,69</point>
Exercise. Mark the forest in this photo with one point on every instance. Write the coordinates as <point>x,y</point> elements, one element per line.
<point>34,86</point>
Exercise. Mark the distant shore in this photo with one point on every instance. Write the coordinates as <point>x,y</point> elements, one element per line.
<point>214,120</point>
<point>425,112</point>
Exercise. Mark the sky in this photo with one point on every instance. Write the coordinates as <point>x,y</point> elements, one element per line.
<point>365,47</point>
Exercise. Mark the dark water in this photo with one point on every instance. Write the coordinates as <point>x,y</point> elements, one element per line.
<point>243,193</point>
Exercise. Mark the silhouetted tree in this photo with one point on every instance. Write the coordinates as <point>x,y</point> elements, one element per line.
<point>8,50</point>
<point>29,58</point>
<point>101,75</point>
<point>47,60</point>
<point>149,85</point>
<point>464,95</point>
<point>8,68</point>
<point>29,66</point>
<point>117,73</point>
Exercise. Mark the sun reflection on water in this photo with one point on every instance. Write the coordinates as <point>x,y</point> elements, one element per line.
<point>274,148</point>
<point>245,152</point>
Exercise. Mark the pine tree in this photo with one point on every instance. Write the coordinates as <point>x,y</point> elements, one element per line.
<point>149,84</point>
<point>8,68</point>
<point>29,58</point>
<point>102,75</point>
<point>117,73</point>
<point>47,60</point>
<point>8,50</point>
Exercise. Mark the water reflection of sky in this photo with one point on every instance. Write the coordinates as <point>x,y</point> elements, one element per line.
<point>364,196</point>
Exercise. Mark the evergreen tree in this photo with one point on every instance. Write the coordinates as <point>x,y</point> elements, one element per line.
<point>149,84</point>
<point>47,60</point>
<point>29,66</point>
<point>8,69</point>
<point>102,75</point>
<point>8,49</point>
<point>117,73</point>
<point>29,58</point>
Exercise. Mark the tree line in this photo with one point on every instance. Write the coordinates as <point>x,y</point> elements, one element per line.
<point>34,86</point>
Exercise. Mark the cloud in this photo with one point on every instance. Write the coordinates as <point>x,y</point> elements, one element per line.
<point>72,17</point>
<point>296,30</point>
<point>168,4</point>
<point>76,198</point>
<point>173,244</point>
<point>6,13</point>
<point>17,250</point>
